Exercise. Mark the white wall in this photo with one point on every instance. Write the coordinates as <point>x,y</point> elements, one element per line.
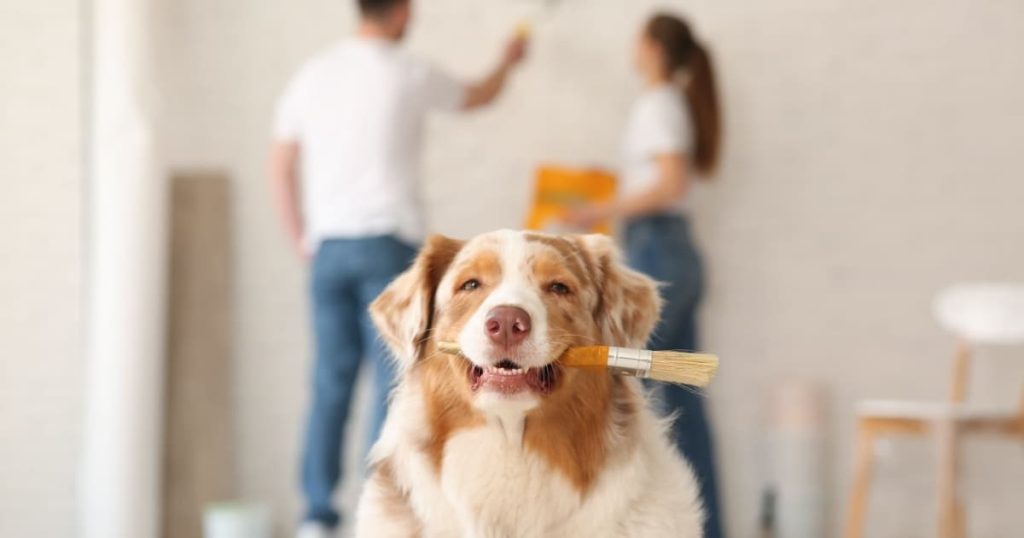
<point>871,158</point>
<point>40,261</point>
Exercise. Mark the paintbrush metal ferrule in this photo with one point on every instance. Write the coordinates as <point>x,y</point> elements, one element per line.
<point>631,362</point>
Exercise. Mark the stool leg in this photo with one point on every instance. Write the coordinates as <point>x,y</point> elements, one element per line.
<point>951,510</point>
<point>857,507</point>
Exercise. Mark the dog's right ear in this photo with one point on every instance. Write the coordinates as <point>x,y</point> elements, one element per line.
<point>404,313</point>
<point>630,304</point>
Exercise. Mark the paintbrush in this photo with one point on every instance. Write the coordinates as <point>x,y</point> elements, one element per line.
<point>696,369</point>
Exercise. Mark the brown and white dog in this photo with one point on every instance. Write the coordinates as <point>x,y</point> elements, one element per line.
<point>505,443</point>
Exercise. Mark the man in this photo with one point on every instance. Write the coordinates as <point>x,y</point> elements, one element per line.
<point>350,126</point>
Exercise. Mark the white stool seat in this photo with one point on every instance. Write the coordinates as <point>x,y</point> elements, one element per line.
<point>920,410</point>
<point>983,313</point>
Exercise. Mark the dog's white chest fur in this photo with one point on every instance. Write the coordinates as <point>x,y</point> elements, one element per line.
<point>499,489</point>
<point>490,486</point>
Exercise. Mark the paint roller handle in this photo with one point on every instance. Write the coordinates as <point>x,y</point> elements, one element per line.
<point>524,29</point>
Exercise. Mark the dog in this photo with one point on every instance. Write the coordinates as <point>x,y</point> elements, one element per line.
<point>502,442</point>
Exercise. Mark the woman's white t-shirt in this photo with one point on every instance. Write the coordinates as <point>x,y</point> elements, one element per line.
<point>658,124</point>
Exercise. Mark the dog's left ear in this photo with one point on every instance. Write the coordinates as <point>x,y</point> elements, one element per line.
<point>404,312</point>
<point>629,305</point>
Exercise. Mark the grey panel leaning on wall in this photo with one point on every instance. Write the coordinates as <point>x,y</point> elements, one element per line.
<point>198,448</point>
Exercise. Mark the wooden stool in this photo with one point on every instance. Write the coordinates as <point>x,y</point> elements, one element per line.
<point>978,314</point>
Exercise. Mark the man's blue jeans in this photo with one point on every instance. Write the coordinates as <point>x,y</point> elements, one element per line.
<point>660,246</point>
<point>347,275</point>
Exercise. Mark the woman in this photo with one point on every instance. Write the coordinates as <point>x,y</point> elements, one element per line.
<point>672,139</point>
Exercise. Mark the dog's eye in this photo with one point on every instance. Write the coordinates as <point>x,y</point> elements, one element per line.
<point>558,288</point>
<point>470,285</point>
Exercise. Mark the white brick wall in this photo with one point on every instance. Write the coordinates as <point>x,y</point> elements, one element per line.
<point>40,261</point>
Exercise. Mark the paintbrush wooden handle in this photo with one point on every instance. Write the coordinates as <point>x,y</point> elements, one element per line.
<point>586,357</point>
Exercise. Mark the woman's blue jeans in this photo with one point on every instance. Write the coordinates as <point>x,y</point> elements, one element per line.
<point>661,247</point>
<point>347,275</point>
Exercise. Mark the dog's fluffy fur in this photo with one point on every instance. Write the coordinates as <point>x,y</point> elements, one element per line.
<point>579,455</point>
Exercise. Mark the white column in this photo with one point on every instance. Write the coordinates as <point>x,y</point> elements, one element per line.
<point>126,249</point>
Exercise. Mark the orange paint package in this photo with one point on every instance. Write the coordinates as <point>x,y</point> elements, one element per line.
<point>559,188</point>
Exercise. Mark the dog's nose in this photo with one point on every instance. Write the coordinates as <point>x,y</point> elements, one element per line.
<point>507,326</point>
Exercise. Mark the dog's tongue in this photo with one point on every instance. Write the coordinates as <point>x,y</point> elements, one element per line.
<point>505,381</point>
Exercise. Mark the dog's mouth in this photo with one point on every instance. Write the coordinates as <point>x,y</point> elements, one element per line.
<point>508,377</point>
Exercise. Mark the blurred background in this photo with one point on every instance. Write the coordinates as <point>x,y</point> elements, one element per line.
<point>872,157</point>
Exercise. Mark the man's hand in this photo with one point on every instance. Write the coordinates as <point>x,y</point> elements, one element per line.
<point>303,252</point>
<point>487,90</point>
<point>284,178</point>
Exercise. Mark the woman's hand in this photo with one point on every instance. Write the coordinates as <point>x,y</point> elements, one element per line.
<point>587,216</point>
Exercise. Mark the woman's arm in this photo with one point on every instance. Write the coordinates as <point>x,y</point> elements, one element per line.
<point>671,184</point>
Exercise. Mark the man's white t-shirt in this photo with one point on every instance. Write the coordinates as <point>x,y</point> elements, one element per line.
<point>659,123</point>
<point>357,112</point>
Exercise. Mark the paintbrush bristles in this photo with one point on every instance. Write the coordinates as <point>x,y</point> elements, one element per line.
<point>697,369</point>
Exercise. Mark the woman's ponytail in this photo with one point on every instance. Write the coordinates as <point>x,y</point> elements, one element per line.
<point>702,96</point>
<point>687,57</point>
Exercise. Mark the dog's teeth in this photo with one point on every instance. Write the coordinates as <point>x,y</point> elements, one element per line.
<point>494,370</point>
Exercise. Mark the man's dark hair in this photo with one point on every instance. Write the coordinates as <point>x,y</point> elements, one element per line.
<point>378,8</point>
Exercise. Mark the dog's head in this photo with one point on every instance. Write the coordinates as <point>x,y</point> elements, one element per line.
<point>514,301</point>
